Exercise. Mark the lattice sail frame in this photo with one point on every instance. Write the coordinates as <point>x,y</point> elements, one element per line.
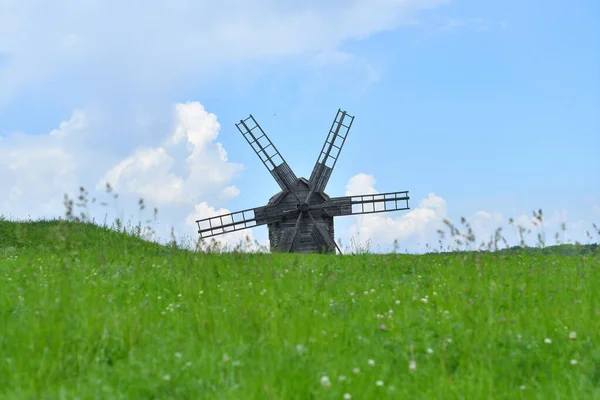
<point>330,152</point>
<point>376,203</point>
<point>226,223</point>
<point>318,227</point>
<point>268,153</point>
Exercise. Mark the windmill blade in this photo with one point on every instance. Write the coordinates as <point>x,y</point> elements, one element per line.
<point>286,240</point>
<point>321,235</point>
<point>366,204</point>
<point>268,153</point>
<point>288,237</point>
<point>330,151</point>
<point>239,220</point>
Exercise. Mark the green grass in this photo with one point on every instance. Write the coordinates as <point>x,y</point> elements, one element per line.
<point>87,312</point>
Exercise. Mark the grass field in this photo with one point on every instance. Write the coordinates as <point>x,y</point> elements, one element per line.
<point>91,313</point>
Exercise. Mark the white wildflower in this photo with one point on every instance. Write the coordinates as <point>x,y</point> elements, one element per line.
<point>412,366</point>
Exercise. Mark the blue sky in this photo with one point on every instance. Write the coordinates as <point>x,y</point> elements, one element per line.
<point>486,110</point>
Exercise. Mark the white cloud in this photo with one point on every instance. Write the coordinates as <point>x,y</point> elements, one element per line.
<point>146,173</point>
<point>361,184</point>
<point>416,226</point>
<point>484,223</point>
<point>157,43</point>
<point>228,193</point>
<point>419,227</point>
<point>189,164</point>
<point>413,229</point>
<point>36,171</point>
<point>187,171</point>
<point>124,62</point>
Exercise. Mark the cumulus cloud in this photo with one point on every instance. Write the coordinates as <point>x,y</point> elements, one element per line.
<point>181,176</point>
<point>131,58</point>
<point>418,230</point>
<point>36,171</point>
<point>189,164</point>
<point>125,64</point>
<point>360,184</point>
<point>416,226</point>
<point>189,170</point>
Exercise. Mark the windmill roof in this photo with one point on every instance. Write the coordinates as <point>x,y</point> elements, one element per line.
<point>275,199</point>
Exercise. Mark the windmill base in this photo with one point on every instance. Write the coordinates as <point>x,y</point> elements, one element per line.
<point>307,240</point>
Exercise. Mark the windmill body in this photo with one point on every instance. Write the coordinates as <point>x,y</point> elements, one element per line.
<point>300,216</point>
<point>308,241</point>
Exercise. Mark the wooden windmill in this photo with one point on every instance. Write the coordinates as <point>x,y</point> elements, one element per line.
<point>300,216</point>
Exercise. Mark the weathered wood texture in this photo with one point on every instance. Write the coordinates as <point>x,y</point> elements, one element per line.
<point>331,151</point>
<point>300,216</point>
<point>367,203</point>
<point>283,234</point>
<point>267,152</point>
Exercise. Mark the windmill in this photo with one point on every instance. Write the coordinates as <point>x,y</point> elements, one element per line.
<point>300,216</point>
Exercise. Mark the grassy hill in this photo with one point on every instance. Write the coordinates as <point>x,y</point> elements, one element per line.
<point>87,312</point>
